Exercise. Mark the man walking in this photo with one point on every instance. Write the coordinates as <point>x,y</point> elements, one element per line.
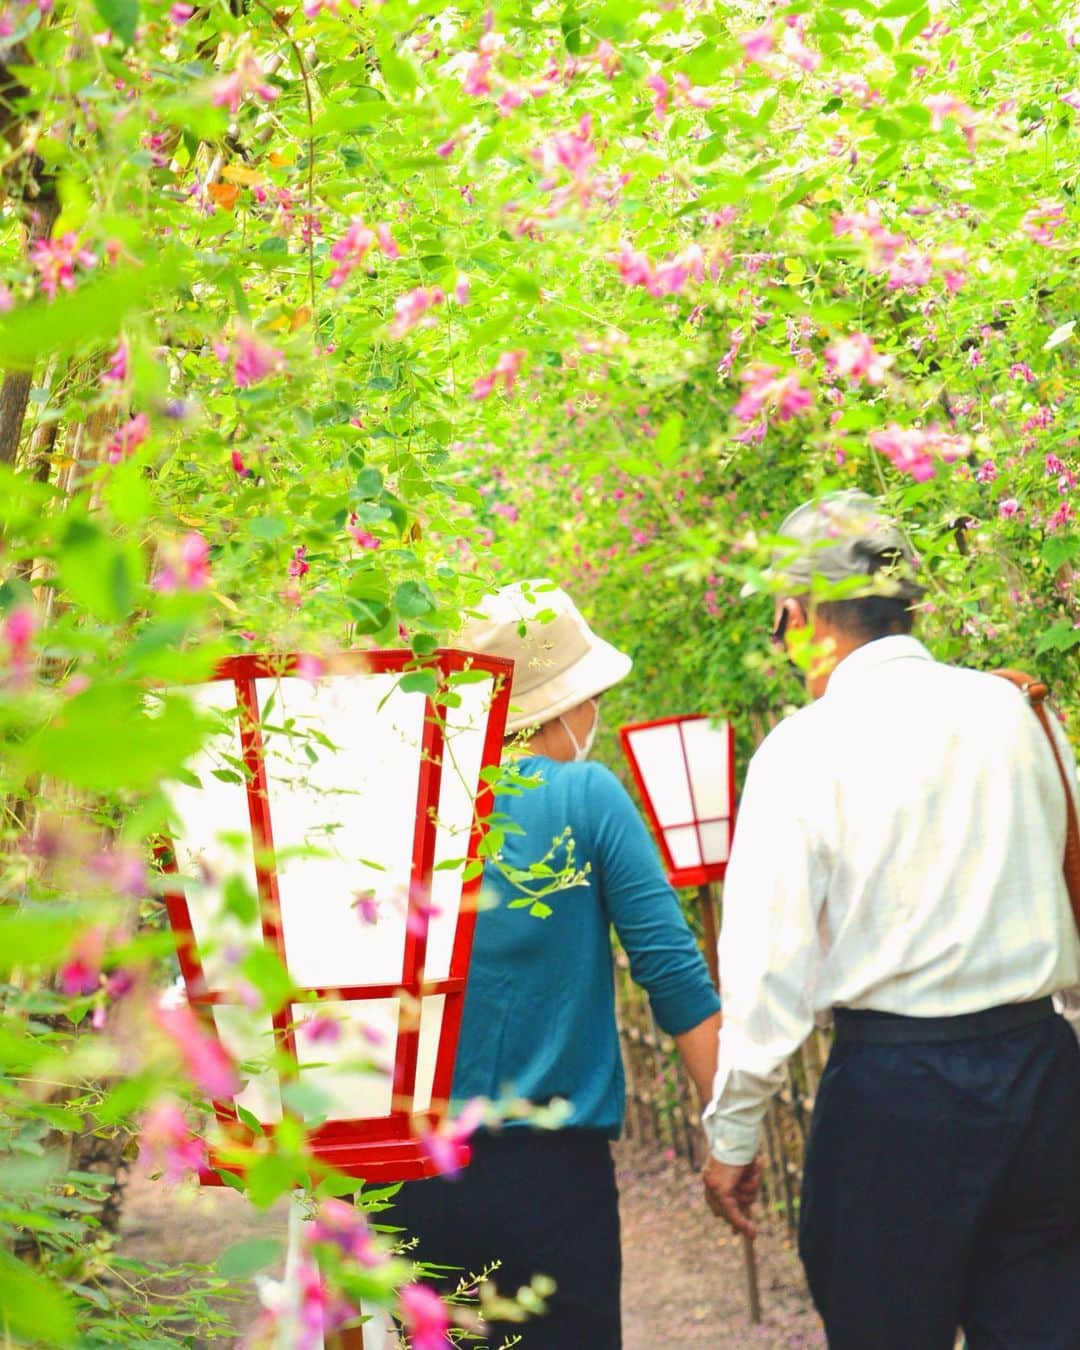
<point>898,860</point>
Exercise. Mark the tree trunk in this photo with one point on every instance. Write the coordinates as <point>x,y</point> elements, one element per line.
<point>15,390</point>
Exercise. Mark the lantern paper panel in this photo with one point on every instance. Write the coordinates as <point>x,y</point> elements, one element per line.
<point>347,806</point>
<point>684,769</point>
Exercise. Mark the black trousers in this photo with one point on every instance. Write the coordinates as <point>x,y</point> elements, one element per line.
<point>540,1202</point>
<point>942,1190</point>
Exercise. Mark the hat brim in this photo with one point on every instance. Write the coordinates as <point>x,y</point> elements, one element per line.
<point>600,668</point>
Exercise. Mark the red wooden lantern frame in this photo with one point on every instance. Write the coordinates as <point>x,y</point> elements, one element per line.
<point>384,1148</point>
<point>705,872</point>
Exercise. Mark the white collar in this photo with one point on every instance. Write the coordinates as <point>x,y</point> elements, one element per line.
<point>898,647</point>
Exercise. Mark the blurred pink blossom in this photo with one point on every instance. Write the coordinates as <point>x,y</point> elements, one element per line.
<point>188,568</point>
<point>758,42</point>
<point>116,372</point>
<point>56,260</point>
<point>246,78</point>
<point>127,438</point>
<point>81,973</point>
<point>1042,222</point>
<point>205,1059</point>
<point>167,1141</point>
<point>17,633</point>
<point>413,306</point>
<point>253,360</point>
<point>1009,508</point>
<point>767,390</point>
<point>445,1146</point>
<point>298,563</point>
<point>506,368</point>
<point>180,12</point>
<point>856,358</point>
<point>425,1317</point>
<point>339,1224</point>
<point>239,467</point>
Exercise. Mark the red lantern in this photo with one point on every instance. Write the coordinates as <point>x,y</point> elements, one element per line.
<point>336,822</point>
<point>684,768</point>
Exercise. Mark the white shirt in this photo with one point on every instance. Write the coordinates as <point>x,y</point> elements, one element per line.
<point>899,847</point>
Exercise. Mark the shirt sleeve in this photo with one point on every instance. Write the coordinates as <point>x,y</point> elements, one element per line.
<point>664,957</point>
<point>1068,999</point>
<point>769,951</point>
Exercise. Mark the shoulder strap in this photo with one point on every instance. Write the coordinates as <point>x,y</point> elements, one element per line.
<point>1035,691</point>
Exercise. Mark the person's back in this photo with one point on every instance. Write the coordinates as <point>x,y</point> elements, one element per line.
<point>898,863</point>
<point>939,808</point>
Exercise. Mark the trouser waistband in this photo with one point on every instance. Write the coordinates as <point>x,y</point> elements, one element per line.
<point>863,1024</point>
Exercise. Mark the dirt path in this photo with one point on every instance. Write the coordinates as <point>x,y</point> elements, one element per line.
<point>683,1281</point>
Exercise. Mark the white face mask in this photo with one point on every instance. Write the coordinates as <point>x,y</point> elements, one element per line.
<point>582,748</point>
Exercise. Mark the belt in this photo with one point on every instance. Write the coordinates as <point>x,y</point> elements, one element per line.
<point>880,1028</point>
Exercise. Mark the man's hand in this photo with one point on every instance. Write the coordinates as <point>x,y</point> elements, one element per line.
<point>730,1190</point>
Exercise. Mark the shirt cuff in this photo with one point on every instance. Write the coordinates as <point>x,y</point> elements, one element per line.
<point>731,1143</point>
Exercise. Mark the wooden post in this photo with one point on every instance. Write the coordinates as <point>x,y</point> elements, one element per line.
<point>710,931</point>
<point>710,936</point>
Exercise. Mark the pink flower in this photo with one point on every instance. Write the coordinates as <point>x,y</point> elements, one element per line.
<point>446,149</point>
<point>768,390</point>
<point>446,1147</point>
<point>122,870</point>
<point>1020,370</point>
<point>298,564</point>
<point>1043,221</point>
<point>411,308</point>
<point>1062,516</point>
<point>661,94</point>
<point>690,94</point>
<point>17,634</point>
<point>340,1225</point>
<point>320,1030</point>
<point>180,12</point>
<point>188,569</point>
<point>476,78</point>
<point>946,105</point>
<point>239,467</point>
<point>462,287</point>
<point>167,1141</point>
<point>506,368</point>
<point>7,300</point>
<point>247,78</point>
<point>81,973</point>
<point>793,46</point>
<point>425,1317</point>
<point>634,267</point>
<point>350,251</point>
<point>364,538</point>
<point>987,472</point>
<point>607,58</point>
<point>366,906</point>
<point>386,241</point>
<point>253,360</point>
<point>758,43</point>
<point>205,1059</point>
<point>116,372</point>
<point>1009,508</point>
<point>910,269</point>
<point>1072,99</point>
<point>907,448</point>
<point>127,439</point>
<point>320,1310</point>
<point>309,667</point>
<point>56,259</point>
<point>1053,465</point>
<point>856,358</point>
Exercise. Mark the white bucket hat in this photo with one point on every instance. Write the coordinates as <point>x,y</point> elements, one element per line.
<point>559,661</point>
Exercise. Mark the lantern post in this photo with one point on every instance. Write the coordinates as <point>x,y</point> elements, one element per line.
<point>329,830</point>
<point>684,768</point>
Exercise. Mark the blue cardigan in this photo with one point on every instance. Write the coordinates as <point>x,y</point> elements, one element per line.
<point>539,1016</point>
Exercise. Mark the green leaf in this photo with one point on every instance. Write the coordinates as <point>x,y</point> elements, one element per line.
<point>264,968</point>
<point>668,441</point>
<point>419,682</point>
<point>412,599</point>
<point>33,1308</point>
<point>244,1259</point>
<point>121,16</point>
<point>89,316</point>
<point>368,616</point>
<point>1063,637</point>
<point>110,737</point>
<point>1058,549</point>
<point>352,116</point>
<point>35,937</point>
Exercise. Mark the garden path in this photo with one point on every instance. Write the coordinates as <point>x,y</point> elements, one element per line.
<point>683,1282</point>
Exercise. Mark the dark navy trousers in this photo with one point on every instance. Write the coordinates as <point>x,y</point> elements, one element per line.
<point>942,1191</point>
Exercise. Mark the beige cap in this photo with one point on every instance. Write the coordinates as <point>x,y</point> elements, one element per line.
<point>840,536</point>
<point>559,661</point>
